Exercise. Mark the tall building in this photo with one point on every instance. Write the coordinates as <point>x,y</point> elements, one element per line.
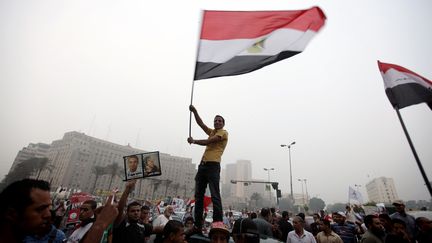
<point>382,190</point>
<point>75,157</point>
<point>33,150</point>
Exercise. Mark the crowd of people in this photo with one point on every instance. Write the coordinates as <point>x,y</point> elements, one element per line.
<point>28,215</point>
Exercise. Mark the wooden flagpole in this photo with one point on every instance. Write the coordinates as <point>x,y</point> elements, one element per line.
<point>425,178</point>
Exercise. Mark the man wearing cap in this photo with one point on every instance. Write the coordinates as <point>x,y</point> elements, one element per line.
<point>346,231</point>
<point>402,215</point>
<point>219,233</point>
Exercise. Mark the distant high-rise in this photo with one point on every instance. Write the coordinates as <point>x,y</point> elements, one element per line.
<point>75,156</point>
<point>382,190</point>
<point>33,150</point>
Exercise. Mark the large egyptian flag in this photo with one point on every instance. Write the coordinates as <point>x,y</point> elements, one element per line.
<point>238,42</point>
<point>404,87</point>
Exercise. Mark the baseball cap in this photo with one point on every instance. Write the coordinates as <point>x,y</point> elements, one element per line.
<point>218,226</point>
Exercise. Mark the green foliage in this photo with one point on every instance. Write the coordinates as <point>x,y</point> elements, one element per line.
<point>316,204</point>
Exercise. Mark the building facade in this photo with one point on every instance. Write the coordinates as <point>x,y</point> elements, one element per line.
<point>33,150</point>
<point>382,190</point>
<point>75,157</point>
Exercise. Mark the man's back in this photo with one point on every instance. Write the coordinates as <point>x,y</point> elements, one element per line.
<point>264,227</point>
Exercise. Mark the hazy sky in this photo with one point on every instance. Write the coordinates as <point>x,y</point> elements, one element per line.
<point>122,71</point>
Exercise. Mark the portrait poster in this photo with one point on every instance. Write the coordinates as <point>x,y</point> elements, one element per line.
<point>142,165</point>
<point>151,164</point>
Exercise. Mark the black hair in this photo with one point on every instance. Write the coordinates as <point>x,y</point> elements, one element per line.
<point>173,226</point>
<point>326,222</point>
<point>17,195</point>
<point>134,203</point>
<point>368,219</point>
<point>246,225</point>
<point>223,119</point>
<point>92,203</point>
<point>145,207</point>
<point>285,214</point>
<point>302,216</point>
<point>265,212</point>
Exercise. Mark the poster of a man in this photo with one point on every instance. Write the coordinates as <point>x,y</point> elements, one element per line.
<point>152,164</point>
<point>133,166</point>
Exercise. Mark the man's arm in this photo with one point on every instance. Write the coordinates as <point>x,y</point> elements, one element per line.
<point>198,119</point>
<point>103,220</point>
<point>205,142</point>
<point>130,185</point>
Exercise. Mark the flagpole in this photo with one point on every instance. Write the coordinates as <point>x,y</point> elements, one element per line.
<point>193,79</point>
<point>428,185</point>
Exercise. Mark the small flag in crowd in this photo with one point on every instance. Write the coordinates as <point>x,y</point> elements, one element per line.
<point>238,42</point>
<point>404,87</point>
<point>355,195</point>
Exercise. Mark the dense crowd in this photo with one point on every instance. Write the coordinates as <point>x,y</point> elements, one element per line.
<point>28,214</point>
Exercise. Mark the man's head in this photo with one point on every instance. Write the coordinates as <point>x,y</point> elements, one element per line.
<point>168,211</point>
<point>325,225</point>
<point>245,231</point>
<point>132,163</point>
<point>189,222</point>
<point>399,226</point>
<point>174,232</point>
<point>285,214</point>
<point>150,161</point>
<point>133,211</point>
<point>399,206</point>
<point>25,205</point>
<point>265,214</point>
<point>424,224</point>
<point>316,217</point>
<point>339,217</point>
<point>145,213</point>
<point>373,223</point>
<point>219,233</point>
<point>298,223</point>
<point>218,122</point>
<point>87,210</point>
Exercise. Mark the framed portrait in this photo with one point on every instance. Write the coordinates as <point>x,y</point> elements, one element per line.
<point>142,165</point>
<point>151,164</point>
<point>133,166</point>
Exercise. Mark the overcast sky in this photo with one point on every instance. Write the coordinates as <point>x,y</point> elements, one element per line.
<point>122,71</point>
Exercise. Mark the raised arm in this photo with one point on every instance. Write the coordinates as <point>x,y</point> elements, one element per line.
<point>103,220</point>
<point>130,185</point>
<point>198,119</point>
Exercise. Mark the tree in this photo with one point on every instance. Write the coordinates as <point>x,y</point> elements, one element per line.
<point>97,171</point>
<point>255,197</point>
<point>42,164</point>
<point>316,204</point>
<point>286,204</point>
<point>113,170</point>
<point>336,207</point>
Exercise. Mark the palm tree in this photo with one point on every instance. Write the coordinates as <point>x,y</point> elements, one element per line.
<point>97,171</point>
<point>113,170</point>
<point>167,183</point>
<point>42,164</point>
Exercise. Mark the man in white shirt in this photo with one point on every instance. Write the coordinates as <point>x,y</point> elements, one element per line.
<point>299,235</point>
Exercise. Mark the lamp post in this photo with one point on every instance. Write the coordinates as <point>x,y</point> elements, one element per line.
<point>307,194</point>
<point>268,173</point>
<point>301,182</point>
<point>289,154</point>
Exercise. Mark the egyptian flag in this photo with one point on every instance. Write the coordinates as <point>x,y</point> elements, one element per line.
<point>238,42</point>
<point>404,87</point>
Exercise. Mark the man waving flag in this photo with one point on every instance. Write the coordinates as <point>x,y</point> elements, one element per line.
<point>238,42</point>
<point>404,87</point>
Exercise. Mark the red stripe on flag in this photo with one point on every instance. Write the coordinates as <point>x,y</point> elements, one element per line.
<point>223,25</point>
<point>384,67</point>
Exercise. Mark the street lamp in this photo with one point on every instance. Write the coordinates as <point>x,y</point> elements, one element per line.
<point>301,182</point>
<point>268,173</point>
<point>289,154</point>
<point>307,194</point>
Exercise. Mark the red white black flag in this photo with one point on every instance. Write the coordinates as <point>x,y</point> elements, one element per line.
<point>238,42</point>
<point>404,87</point>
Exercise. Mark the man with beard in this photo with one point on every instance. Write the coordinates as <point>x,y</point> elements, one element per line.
<point>375,232</point>
<point>25,211</point>
<point>402,215</point>
<point>87,217</point>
